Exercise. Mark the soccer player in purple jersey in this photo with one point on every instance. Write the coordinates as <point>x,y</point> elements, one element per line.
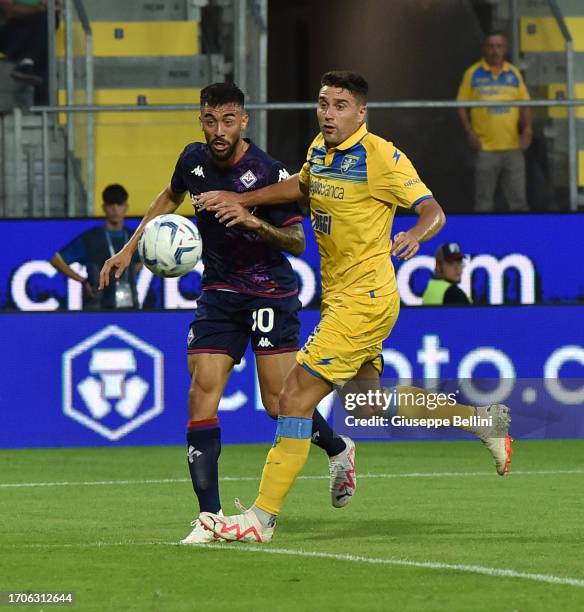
<point>249,293</point>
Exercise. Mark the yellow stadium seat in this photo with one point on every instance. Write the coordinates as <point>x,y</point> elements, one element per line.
<point>143,176</point>
<point>580,168</point>
<point>137,149</point>
<point>140,149</point>
<point>149,96</point>
<point>542,34</point>
<point>136,39</point>
<point>558,91</point>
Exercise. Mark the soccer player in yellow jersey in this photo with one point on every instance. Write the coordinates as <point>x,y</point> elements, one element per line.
<point>355,181</point>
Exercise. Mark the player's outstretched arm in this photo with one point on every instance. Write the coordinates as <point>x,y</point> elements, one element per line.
<point>431,220</point>
<point>283,192</point>
<point>289,238</point>
<point>166,202</point>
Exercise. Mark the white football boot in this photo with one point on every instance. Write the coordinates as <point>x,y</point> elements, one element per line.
<point>244,527</point>
<point>200,534</point>
<point>495,436</point>
<point>343,479</point>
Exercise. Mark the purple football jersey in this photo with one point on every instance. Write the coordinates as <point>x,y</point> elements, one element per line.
<point>237,258</point>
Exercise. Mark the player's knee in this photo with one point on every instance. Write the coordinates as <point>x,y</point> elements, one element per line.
<point>292,404</point>
<point>290,401</point>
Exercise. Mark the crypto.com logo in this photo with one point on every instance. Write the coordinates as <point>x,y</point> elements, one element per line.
<point>112,382</point>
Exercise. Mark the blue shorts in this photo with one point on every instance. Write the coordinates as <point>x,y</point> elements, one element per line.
<point>226,321</point>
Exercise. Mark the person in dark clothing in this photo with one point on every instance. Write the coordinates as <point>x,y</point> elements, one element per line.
<point>443,287</point>
<point>23,39</point>
<point>93,247</point>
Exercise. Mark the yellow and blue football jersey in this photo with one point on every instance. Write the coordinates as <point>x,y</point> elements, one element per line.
<point>497,127</point>
<point>355,189</point>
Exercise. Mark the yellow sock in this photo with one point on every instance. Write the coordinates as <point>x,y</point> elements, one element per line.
<point>283,463</point>
<point>417,403</point>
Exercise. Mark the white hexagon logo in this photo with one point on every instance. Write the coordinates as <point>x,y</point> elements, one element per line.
<point>113,382</point>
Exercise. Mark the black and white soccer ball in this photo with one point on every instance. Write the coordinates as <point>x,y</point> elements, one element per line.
<point>170,246</point>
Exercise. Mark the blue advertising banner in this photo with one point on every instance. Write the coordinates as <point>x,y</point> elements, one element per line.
<point>93,379</point>
<point>511,260</point>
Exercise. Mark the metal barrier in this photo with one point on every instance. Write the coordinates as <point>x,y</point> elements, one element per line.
<point>78,7</point>
<point>286,106</point>
<point>571,85</point>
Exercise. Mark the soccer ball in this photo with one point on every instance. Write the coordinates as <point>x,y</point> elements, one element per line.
<point>170,245</point>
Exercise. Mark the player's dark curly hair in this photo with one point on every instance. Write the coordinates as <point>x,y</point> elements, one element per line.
<point>351,81</point>
<point>114,194</point>
<point>219,94</point>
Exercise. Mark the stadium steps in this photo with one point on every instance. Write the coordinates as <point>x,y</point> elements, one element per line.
<point>12,93</point>
<point>145,52</point>
<point>137,10</point>
<point>543,49</point>
<point>17,201</point>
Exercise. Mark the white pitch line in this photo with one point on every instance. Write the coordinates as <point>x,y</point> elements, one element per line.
<point>431,565</point>
<point>457,567</point>
<point>95,483</point>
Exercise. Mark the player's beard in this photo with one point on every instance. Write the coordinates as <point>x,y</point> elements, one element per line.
<point>223,155</point>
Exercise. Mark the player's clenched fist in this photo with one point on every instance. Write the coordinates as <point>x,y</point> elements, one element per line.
<point>405,245</point>
<point>119,262</point>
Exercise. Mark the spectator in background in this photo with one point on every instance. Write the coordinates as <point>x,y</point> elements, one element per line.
<point>443,287</point>
<point>93,247</point>
<point>23,39</point>
<point>494,132</point>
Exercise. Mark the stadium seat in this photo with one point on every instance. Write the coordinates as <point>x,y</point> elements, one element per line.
<point>558,91</point>
<point>142,147</point>
<point>139,39</point>
<point>139,149</point>
<point>543,49</point>
<point>542,34</point>
<point>145,53</point>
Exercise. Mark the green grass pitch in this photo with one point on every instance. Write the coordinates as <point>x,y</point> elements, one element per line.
<point>439,505</point>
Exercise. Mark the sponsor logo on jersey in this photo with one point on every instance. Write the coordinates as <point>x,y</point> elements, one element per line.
<point>319,187</point>
<point>321,221</point>
<point>265,343</point>
<point>248,179</point>
<point>198,171</point>
<point>412,182</point>
<point>283,174</point>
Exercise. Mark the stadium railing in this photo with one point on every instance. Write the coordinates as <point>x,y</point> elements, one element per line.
<point>70,109</point>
